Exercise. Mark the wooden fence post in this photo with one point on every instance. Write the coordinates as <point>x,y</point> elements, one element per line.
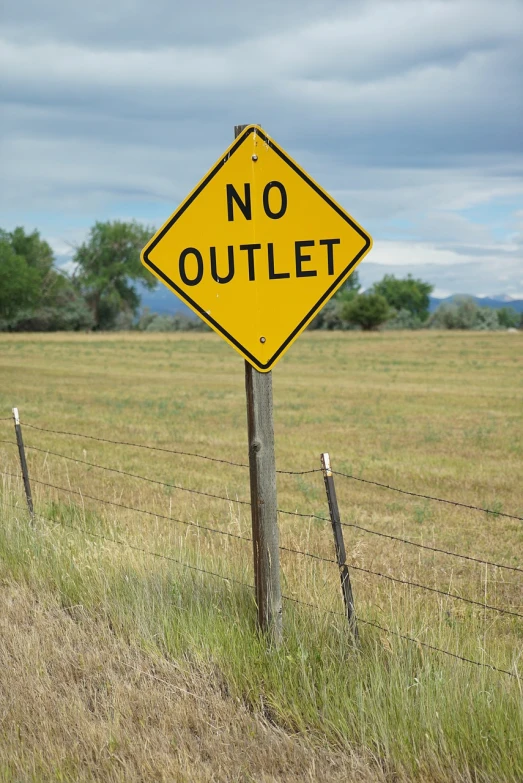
<point>339,545</point>
<point>262,468</point>
<point>23,462</point>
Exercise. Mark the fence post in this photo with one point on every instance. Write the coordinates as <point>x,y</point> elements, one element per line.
<point>339,545</point>
<point>23,462</point>
<point>262,469</point>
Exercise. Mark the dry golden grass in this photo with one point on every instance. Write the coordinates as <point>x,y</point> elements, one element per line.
<point>79,703</point>
<point>435,413</point>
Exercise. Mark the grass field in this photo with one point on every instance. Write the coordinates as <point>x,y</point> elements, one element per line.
<point>120,666</point>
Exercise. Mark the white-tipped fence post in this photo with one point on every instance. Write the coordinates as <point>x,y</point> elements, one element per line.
<point>339,545</point>
<point>23,462</point>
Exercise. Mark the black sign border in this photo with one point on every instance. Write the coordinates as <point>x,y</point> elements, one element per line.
<point>179,212</point>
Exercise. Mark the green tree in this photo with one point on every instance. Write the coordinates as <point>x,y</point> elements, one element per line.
<point>34,295</point>
<point>19,283</point>
<point>508,317</point>
<point>349,290</point>
<point>329,317</point>
<point>368,310</point>
<point>107,265</point>
<point>36,251</point>
<point>408,294</point>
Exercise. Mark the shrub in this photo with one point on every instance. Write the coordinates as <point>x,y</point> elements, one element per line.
<point>179,322</point>
<point>404,319</point>
<point>367,310</point>
<point>329,317</point>
<point>464,313</point>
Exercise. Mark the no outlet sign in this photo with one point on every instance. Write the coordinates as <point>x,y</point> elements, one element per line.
<point>257,248</point>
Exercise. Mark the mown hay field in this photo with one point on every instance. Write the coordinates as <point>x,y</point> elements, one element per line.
<point>127,645</point>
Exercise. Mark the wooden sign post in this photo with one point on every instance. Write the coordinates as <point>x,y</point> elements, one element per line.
<point>262,467</point>
<point>265,534</point>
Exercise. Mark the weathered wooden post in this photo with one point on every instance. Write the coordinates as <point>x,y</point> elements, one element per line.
<point>339,545</point>
<point>265,534</point>
<point>262,466</point>
<point>23,462</point>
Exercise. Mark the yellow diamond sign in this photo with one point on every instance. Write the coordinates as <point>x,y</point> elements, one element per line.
<point>257,248</point>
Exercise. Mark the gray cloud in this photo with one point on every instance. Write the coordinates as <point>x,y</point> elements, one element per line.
<point>133,24</point>
<point>409,112</point>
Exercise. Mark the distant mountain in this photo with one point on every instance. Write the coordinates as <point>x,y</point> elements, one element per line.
<point>483,301</point>
<point>161,300</point>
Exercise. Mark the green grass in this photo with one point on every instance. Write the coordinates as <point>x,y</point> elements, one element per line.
<point>405,712</point>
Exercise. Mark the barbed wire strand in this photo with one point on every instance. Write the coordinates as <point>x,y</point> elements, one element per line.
<point>418,585</point>
<point>150,552</point>
<point>282,548</point>
<point>168,484</point>
<point>133,546</point>
<point>286,472</point>
<point>404,636</point>
<point>132,508</point>
<point>286,597</point>
<point>404,541</point>
<point>432,548</point>
<point>429,497</point>
<point>281,511</point>
<point>161,448</point>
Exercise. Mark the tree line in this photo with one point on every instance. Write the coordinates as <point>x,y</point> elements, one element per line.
<point>100,294</point>
<point>393,303</point>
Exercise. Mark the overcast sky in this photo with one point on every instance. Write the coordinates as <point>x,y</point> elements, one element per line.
<point>409,112</point>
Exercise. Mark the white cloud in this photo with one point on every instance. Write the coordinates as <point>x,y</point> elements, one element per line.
<point>424,254</point>
<point>449,271</point>
<point>388,59</point>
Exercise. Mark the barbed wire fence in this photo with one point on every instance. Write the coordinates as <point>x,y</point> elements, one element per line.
<point>340,560</point>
